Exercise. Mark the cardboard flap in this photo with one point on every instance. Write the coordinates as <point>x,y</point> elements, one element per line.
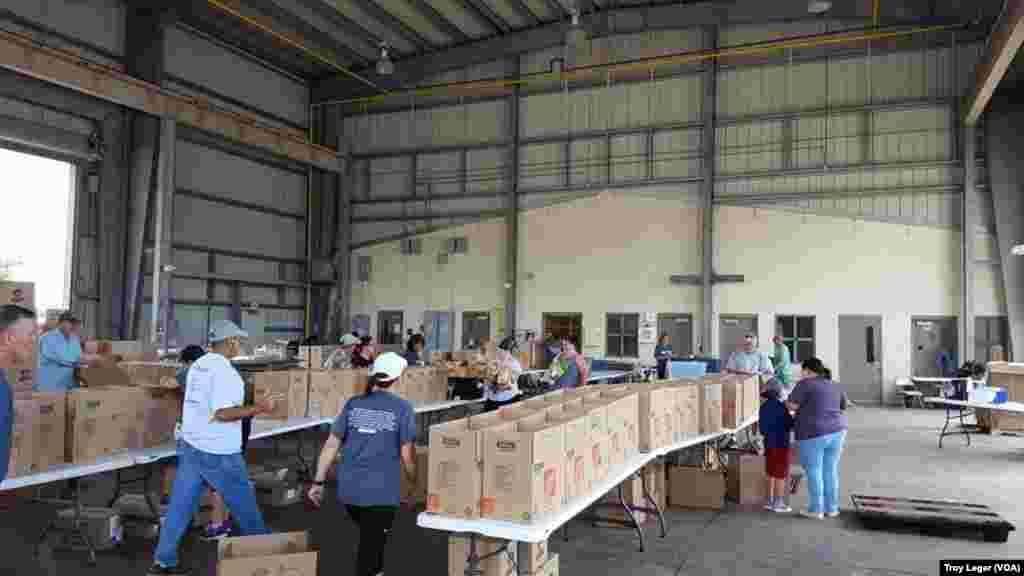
<point>303,564</point>
<point>260,546</point>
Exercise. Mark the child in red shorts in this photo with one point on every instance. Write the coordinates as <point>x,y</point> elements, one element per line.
<point>776,423</point>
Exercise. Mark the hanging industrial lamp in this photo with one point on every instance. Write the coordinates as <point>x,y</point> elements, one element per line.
<point>819,6</point>
<point>385,67</point>
<point>575,35</point>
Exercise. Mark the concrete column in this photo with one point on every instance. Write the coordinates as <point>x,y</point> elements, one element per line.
<point>512,210</point>
<point>1004,138</point>
<point>968,227</point>
<point>708,190</point>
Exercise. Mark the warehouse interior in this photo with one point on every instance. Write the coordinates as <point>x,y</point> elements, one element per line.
<point>838,174</point>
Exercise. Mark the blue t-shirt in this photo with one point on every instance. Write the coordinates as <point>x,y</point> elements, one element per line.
<point>373,430</point>
<point>775,423</point>
<point>6,423</point>
<point>58,358</point>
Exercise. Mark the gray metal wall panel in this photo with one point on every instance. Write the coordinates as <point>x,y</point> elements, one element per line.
<point>202,223</point>
<point>259,295</point>
<point>246,268</point>
<point>435,206</point>
<point>206,64</point>
<point>217,173</point>
<point>97,22</point>
<point>179,88</point>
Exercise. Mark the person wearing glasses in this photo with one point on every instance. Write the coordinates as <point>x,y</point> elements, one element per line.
<point>748,360</point>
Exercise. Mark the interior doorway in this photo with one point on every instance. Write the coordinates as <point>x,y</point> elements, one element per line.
<point>934,341</point>
<point>558,325</point>
<point>36,244</point>
<point>860,357</point>
<point>679,328</point>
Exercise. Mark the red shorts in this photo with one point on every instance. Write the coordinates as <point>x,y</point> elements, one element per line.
<point>777,462</point>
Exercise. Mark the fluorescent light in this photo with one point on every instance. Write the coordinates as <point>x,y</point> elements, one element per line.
<point>1017,250</point>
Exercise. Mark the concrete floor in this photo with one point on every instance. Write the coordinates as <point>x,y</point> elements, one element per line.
<point>889,451</point>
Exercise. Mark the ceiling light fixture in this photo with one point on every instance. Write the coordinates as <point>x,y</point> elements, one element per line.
<point>1017,250</point>
<point>819,6</point>
<point>385,67</point>
<point>575,35</point>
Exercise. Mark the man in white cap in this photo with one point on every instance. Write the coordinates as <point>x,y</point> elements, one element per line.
<point>210,446</point>
<point>341,358</point>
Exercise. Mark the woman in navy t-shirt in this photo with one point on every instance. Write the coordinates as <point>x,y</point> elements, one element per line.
<point>376,433</point>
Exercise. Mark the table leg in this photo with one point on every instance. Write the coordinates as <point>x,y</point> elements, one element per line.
<point>654,505</point>
<point>76,525</point>
<point>473,560</point>
<point>963,427</point>
<point>632,517</point>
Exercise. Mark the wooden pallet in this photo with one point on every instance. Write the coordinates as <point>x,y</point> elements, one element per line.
<point>947,516</point>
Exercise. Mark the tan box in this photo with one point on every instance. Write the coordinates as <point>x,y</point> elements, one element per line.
<point>690,487</point>
<point>423,385</point>
<point>38,435</point>
<point>286,553</point>
<point>455,480</point>
<point>104,372</point>
<point>710,392</point>
<point>688,410</point>
<point>1011,377</point>
<point>656,415</point>
<point>495,565</point>
<point>312,357</point>
<point>550,568</point>
<point>418,491</point>
<point>103,421</point>
<point>532,557</point>
<point>576,467</point>
<point>622,428</point>
<point>161,409</point>
<point>520,410</point>
<point>752,405</point>
<point>746,479</point>
<point>294,393</point>
<point>18,293</point>
<point>329,390</point>
<point>535,403</point>
<point>151,374</point>
<point>523,470</point>
<point>597,426</point>
<point>732,401</point>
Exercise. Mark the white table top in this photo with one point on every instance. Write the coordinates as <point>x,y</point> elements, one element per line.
<point>542,530</point>
<point>1012,407</point>
<point>130,458</point>
<point>938,380</point>
<point>605,375</point>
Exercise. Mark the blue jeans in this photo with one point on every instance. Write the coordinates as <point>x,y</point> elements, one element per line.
<point>820,458</point>
<point>227,475</point>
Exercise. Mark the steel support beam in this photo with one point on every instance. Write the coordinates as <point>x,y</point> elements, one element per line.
<point>401,29</point>
<point>968,233</point>
<point>512,212</point>
<point>1003,46</point>
<point>486,16</point>
<point>440,21</point>
<point>161,317</point>
<point>62,143</point>
<point>111,220</point>
<point>709,106</point>
<point>142,165</point>
<point>321,26</point>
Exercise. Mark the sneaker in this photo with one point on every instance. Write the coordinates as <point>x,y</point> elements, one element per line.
<point>158,570</point>
<point>832,514</point>
<point>782,508</point>
<point>215,532</point>
<point>770,507</point>
<point>812,515</point>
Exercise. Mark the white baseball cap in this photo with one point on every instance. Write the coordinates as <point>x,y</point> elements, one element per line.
<point>221,330</point>
<point>349,340</point>
<point>389,364</point>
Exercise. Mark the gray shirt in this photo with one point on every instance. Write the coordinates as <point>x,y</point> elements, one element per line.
<point>756,362</point>
<point>822,403</point>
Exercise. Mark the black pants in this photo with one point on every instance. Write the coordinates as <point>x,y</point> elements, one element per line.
<point>492,405</point>
<point>374,525</point>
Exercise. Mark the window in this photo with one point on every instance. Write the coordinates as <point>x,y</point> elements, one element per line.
<point>623,335</point>
<point>798,334</point>
<point>389,328</point>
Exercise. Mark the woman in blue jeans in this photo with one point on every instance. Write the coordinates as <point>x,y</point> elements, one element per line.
<point>820,406</point>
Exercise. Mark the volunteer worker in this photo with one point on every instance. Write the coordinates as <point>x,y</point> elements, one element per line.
<point>17,337</point>
<point>341,359</point>
<point>210,447</point>
<point>60,352</point>
<point>376,433</point>
<point>503,389</point>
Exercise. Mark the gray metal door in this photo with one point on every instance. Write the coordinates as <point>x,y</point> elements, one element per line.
<point>390,330</point>
<point>679,328</point>
<point>930,338</point>
<point>437,331</point>
<point>475,327</point>
<point>731,329</point>
<point>860,357</point>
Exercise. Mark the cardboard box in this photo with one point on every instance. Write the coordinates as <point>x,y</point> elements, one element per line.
<point>103,421</point>
<point>423,385</point>
<point>495,565</point>
<point>455,479</point>
<point>519,410</point>
<point>18,293</point>
<point>151,374</point>
<point>550,568</point>
<point>312,357</point>
<point>746,479</point>
<point>1008,375</point>
<point>621,428</point>
<point>329,390</point>
<point>277,554</point>
<point>656,416</point>
<point>688,410</point>
<point>418,491</point>
<point>597,424</point>
<point>104,372</point>
<point>710,391</point>
<point>294,392</point>
<point>753,398</point>
<point>732,401</point>
<point>523,470</point>
<point>161,410</point>
<point>532,557</point>
<point>577,464</point>
<point>37,441</point>
<point>690,487</point>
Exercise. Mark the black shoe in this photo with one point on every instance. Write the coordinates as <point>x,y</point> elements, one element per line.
<point>158,570</point>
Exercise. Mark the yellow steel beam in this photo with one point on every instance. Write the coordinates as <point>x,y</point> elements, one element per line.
<point>1006,41</point>
<point>25,56</point>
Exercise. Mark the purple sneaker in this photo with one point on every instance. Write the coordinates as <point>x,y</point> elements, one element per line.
<point>216,532</point>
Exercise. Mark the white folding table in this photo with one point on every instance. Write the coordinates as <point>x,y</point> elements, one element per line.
<point>967,408</point>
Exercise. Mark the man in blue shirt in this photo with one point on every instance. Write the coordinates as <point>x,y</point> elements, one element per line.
<point>60,352</point>
<point>17,336</point>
